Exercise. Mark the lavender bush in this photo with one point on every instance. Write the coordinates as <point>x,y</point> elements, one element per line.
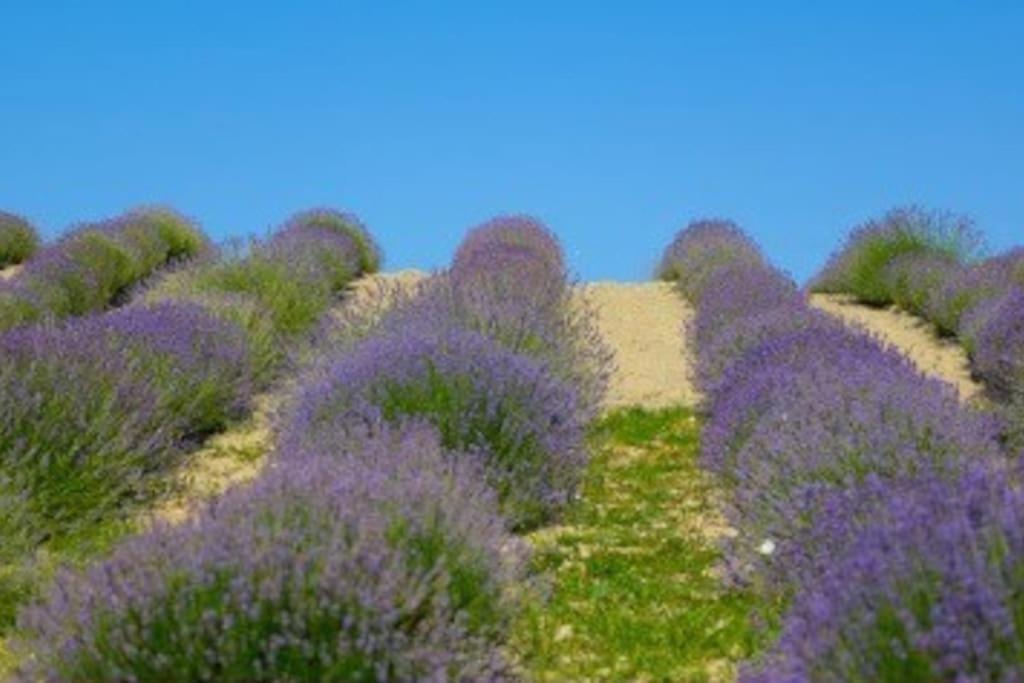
<point>912,279</point>
<point>700,250</point>
<point>859,267</point>
<point>930,591</point>
<point>18,239</point>
<point>91,407</point>
<point>827,428</point>
<point>516,231</point>
<point>95,265</point>
<point>735,292</point>
<point>294,277</point>
<point>367,257</point>
<point>390,563</point>
<point>506,409</point>
<point>734,340</point>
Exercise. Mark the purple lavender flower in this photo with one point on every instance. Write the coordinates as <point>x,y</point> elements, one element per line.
<point>997,348</point>
<point>949,306</point>
<point>700,250</point>
<point>858,268</point>
<point>95,265</point>
<point>390,563</point>
<point>91,407</point>
<point>505,408</point>
<point>931,590</point>
<point>734,292</point>
<point>515,231</point>
<point>912,278</point>
<point>368,255</point>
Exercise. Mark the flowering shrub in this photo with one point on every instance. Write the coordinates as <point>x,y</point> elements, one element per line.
<point>390,563</point>
<point>94,266</point>
<point>518,232</point>
<point>911,279</point>
<point>293,277</point>
<point>507,409</point>
<point>367,257</point>
<point>266,348</point>
<point>931,590</point>
<point>90,407</point>
<point>700,250</point>
<point>736,292</point>
<point>735,339</point>
<point>998,345</point>
<point>828,427</point>
<point>859,267</point>
<point>950,305</point>
<point>18,239</point>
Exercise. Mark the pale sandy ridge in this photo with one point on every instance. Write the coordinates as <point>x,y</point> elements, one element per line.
<point>916,339</point>
<point>9,272</point>
<point>643,324</point>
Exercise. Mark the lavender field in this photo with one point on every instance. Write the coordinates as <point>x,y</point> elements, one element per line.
<point>270,461</point>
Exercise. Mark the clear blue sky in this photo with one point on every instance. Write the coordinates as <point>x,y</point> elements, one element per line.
<point>615,124</point>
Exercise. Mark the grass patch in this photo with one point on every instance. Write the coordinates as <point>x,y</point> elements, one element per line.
<point>634,593</point>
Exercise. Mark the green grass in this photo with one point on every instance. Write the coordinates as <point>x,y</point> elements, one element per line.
<point>635,592</point>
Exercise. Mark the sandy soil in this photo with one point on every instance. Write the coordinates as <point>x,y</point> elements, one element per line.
<point>941,358</point>
<point>643,323</point>
<point>9,272</point>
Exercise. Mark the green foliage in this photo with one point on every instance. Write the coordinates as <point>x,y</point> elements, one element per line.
<point>635,594</point>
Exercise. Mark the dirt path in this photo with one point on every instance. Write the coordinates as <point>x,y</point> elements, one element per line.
<point>941,358</point>
<point>643,323</point>
<point>9,272</point>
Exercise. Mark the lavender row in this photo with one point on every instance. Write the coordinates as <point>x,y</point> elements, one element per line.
<point>18,239</point>
<point>928,264</point>
<point>867,500</point>
<point>377,544</point>
<point>95,265</point>
<point>91,408</point>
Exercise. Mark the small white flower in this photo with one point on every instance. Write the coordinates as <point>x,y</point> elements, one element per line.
<point>766,548</point>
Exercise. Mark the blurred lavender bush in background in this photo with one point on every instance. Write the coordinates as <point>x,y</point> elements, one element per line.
<point>18,239</point>
<point>389,563</point>
<point>859,268</point>
<point>95,265</point>
<point>700,250</point>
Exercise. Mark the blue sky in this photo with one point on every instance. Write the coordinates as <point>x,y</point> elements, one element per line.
<point>614,122</point>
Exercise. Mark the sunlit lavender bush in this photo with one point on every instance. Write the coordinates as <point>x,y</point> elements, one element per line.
<point>390,563</point>
<point>367,257</point>
<point>507,409</point>
<point>95,265</point>
<point>735,292</point>
<point>90,407</point>
<point>517,231</point>
<point>700,250</point>
<point>18,239</point>
<point>734,340</point>
<point>831,422</point>
<point>950,305</point>
<point>293,277</point>
<point>912,279</point>
<point>931,591</point>
<point>859,267</point>
<point>503,285</point>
